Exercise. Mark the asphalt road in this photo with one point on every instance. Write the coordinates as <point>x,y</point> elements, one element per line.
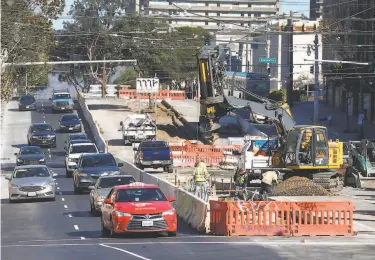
<point>65,229</point>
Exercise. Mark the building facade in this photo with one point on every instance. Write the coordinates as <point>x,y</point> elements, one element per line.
<point>278,42</point>
<point>316,9</point>
<point>351,87</point>
<point>212,15</point>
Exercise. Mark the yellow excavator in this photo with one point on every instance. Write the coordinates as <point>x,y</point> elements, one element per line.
<point>304,150</point>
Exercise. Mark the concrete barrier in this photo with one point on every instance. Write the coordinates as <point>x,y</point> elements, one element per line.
<point>191,209</point>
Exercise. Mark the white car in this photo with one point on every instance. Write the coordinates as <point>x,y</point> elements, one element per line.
<point>73,154</point>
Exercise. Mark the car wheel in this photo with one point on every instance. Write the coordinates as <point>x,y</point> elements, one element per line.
<point>172,234</point>
<point>112,232</point>
<point>28,143</point>
<point>105,231</point>
<point>170,169</point>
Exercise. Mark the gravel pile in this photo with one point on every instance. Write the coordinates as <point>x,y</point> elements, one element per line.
<point>300,186</point>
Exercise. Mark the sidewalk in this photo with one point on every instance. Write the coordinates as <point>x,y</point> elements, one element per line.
<point>303,113</point>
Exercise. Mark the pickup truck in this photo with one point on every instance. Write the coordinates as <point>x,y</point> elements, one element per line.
<point>154,154</point>
<point>137,128</point>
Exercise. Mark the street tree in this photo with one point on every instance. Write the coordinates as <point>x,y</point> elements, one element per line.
<point>27,36</point>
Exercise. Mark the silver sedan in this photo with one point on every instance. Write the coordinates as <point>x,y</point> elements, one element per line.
<point>31,182</point>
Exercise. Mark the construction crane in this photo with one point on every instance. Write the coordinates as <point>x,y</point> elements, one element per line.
<point>360,172</point>
<point>304,151</point>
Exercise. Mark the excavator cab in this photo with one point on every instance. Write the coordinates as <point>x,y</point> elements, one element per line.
<point>306,147</point>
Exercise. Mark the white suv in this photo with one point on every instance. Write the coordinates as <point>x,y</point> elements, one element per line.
<point>73,154</point>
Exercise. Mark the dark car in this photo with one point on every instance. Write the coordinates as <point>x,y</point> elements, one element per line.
<point>70,123</point>
<point>91,166</point>
<point>75,141</point>
<point>41,134</point>
<point>26,102</point>
<point>29,155</point>
<point>154,154</point>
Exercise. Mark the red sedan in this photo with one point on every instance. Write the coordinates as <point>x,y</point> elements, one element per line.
<point>138,207</point>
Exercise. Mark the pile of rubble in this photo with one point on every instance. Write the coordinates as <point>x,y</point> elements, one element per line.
<point>300,186</point>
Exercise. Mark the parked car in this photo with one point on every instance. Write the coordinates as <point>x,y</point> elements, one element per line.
<point>28,155</point>
<point>26,102</point>
<point>91,166</point>
<point>70,123</point>
<point>41,134</point>
<point>74,152</point>
<point>138,207</point>
<point>31,182</point>
<point>154,154</point>
<point>103,186</point>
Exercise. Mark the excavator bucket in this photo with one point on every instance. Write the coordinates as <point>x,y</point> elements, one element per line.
<point>367,183</point>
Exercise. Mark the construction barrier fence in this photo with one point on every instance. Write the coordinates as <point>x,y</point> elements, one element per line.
<point>162,94</point>
<point>277,218</point>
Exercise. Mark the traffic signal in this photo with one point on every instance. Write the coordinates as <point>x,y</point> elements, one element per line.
<point>206,41</point>
<point>312,69</point>
<point>269,71</point>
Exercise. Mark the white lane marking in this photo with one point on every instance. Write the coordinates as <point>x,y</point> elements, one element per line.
<point>83,238</point>
<point>56,183</point>
<point>44,121</point>
<point>76,227</point>
<point>60,193</point>
<point>66,206</point>
<point>49,149</point>
<point>56,240</point>
<point>62,199</point>
<point>58,188</point>
<point>42,104</point>
<point>50,156</point>
<point>70,215</point>
<point>126,251</point>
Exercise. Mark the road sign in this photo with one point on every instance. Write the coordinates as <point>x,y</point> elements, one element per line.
<point>267,60</point>
<point>147,85</point>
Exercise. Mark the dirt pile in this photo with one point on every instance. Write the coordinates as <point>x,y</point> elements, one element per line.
<point>300,186</point>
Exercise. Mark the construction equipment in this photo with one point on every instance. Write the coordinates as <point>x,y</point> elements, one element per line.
<point>360,172</point>
<point>304,150</point>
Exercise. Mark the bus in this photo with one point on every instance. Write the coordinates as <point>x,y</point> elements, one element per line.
<point>256,83</point>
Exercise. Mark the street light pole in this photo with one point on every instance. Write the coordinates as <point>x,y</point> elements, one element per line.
<point>316,87</point>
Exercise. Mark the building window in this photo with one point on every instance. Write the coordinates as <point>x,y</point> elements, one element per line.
<point>206,23</point>
<point>242,14</point>
<point>257,15</point>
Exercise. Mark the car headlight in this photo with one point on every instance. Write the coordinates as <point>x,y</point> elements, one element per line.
<point>71,160</point>
<point>19,160</point>
<point>170,212</point>
<point>35,137</point>
<point>122,214</point>
<point>81,174</point>
<point>51,136</point>
<point>78,125</point>
<point>115,173</point>
<point>42,160</point>
<point>49,184</point>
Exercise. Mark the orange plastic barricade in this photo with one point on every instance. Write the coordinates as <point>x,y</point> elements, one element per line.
<point>326,218</point>
<point>254,218</point>
<point>162,94</point>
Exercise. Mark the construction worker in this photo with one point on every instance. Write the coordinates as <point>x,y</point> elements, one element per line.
<point>269,177</point>
<point>200,175</point>
<point>240,181</point>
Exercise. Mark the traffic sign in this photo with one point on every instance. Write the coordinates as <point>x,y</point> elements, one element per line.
<point>267,60</point>
<point>147,85</point>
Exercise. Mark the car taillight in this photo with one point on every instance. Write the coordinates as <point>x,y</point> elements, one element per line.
<point>141,155</point>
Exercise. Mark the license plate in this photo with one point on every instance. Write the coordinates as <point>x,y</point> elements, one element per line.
<point>44,141</point>
<point>70,128</point>
<point>156,162</point>
<point>147,223</point>
<point>63,108</point>
<point>27,106</point>
<point>31,194</point>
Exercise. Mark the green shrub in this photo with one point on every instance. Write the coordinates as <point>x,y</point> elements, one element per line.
<point>278,95</point>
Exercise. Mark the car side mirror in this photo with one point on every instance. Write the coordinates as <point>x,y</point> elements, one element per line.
<point>171,198</point>
<point>107,201</point>
<point>121,123</point>
<point>15,154</point>
<point>120,164</point>
<point>135,149</point>
<point>91,187</point>
<point>8,178</point>
<point>80,119</point>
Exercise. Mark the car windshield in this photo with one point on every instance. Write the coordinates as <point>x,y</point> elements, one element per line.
<point>62,96</point>
<point>69,117</point>
<point>27,98</point>
<point>31,172</point>
<point>140,195</point>
<point>84,149</point>
<point>41,128</point>
<point>114,181</point>
<point>78,137</point>
<point>98,161</point>
<point>31,150</point>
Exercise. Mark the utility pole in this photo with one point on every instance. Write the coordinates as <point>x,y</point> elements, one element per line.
<point>268,48</point>
<point>104,84</point>
<point>247,54</point>
<point>316,85</point>
<point>26,84</point>
<point>289,90</point>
